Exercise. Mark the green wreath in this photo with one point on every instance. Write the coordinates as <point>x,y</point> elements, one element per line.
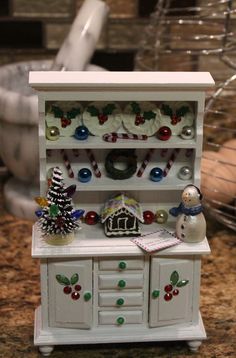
<point>129,158</point>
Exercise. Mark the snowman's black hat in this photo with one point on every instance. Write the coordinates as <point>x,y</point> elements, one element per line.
<point>198,190</point>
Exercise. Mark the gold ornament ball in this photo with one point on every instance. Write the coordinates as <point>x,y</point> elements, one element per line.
<point>161,216</point>
<point>52,133</point>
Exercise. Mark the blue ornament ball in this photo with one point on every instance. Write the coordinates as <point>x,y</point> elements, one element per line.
<point>81,133</point>
<point>84,175</point>
<point>156,174</point>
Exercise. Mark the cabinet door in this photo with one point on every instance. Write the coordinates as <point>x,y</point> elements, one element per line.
<point>70,293</point>
<point>171,298</point>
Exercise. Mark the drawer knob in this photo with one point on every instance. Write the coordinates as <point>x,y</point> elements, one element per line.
<point>122,265</point>
<point>120,320</point>
<point>120,301</point>
<point>155,293</point>
<point>87,296</point>
<point>121,283</point>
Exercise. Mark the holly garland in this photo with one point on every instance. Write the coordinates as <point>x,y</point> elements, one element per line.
<point>175,117</point>
<point>103,114</point>
<point>140,119</point>
<point>65,116</point>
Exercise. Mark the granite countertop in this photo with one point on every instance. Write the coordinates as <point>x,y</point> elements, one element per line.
<point>20,295</point>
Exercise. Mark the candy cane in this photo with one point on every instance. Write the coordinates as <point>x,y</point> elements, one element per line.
<point>171,161</point>
<point>94,163</point>
<point>112,137</point>
<point>67,163</point>
<point>145,162</point>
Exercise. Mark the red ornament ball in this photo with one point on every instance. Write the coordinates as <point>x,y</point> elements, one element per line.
<point>91,218</point>
<point>148,217</point>
<point>164,133</point>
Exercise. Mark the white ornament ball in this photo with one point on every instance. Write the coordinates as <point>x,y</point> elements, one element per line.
<point>185,173</point>
<point>187,132</point>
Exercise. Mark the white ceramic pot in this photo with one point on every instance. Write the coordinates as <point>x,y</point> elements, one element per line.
<point>19,134</point>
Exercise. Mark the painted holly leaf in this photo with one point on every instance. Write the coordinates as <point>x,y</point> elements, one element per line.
<point>182,111</point>
<point>93,111</point>
<point>63,280</point>
<point>167,110</point>
<point>135,107</point>
<point>73,113</point>
<point>108,109</point>
<point>74,279</point>
<point>58,113</point>
<point>149,115</point>
<point>174,278</point>
<point>182,283</point>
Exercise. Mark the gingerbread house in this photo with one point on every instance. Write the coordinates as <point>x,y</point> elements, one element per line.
<point>121,216</point>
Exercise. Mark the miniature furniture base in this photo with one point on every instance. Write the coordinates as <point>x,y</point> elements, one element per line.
<point>47,338</point>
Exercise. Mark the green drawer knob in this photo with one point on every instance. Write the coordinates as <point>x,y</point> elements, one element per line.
<point>87,296</point>
<point>120,320</point>
<point>155,293</point>
<point>121,283</point>
<point>120,301</point>
<point>122,265</point>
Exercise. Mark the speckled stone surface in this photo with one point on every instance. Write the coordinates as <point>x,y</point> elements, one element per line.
<point>20,294</point>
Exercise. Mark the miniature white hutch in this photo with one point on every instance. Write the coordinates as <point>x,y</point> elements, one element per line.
<point>122,288</point>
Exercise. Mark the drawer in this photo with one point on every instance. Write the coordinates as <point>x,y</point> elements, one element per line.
<point>121,265</point>
<point>120,281</point>
<point>120,318</point>
<point>115,299</point>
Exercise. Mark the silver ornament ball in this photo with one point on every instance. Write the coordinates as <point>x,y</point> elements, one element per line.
<point>187,132</point>
<point>185,173</point>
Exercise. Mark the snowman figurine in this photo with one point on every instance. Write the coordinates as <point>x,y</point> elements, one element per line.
<point>191,223</point>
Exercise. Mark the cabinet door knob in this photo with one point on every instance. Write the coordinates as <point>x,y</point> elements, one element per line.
<point>120,301</point>
<point>155,293</point>
<point>87,296</point>
<point>120,320</point>
<point>122,265</point>
<point>121,283</point>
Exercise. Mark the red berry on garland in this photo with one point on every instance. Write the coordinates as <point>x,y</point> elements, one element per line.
<point>67,290</point>
<point>77,288</point>
<point>148,217</point>
<point>91,218</point>
<point>175,292</point>
<point>68,121</point>
<point>168,296</point>
<point>164,133</point>
<point>75,295</point>
<point>139,120</point>
<point>102,118</point>
<point>168,288</point>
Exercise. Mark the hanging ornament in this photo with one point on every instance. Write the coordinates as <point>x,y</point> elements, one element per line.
<point>41,201</point>
<point>70,190</point>
<point>60,221</point>
<point>185,173</point>
<point>164,133</point>
<point>187,132</point>
<point>91,218</point>
<point>53,210</point>
<point>156,174</point>
<point>84,175</point>
<point>148,217</point>
<point>77,214</point>
<point>81,133</point>
<point>161,216</point>
<point>52,133</point>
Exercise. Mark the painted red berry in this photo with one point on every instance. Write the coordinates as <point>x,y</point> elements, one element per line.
<point>175,292</point>
<point>67,290</point>
<point>168,288</point>
<point>68,121</point>
<point>168,296</point>
<point>75,295</point>
<point>77,287</point>
<point>139,120</point>
<point>102,118</point>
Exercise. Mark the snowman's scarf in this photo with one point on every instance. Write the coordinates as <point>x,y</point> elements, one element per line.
<point>181,209</point>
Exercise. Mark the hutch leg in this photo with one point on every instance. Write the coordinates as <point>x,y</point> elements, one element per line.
<point>194,345</point>
<point>46,350</point>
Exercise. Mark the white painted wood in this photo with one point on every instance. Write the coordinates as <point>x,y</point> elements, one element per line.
<point>46,350</point>
<point>73,79</point>
<point>194,345</point>
<point>63,310</point>
<point>179,308</point>
<point>113,264</point>
<point>109,299</point>
<point>110,317</point>
<point>112,281</point>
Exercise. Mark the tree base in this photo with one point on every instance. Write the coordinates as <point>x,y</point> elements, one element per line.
<point>58,239</point>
